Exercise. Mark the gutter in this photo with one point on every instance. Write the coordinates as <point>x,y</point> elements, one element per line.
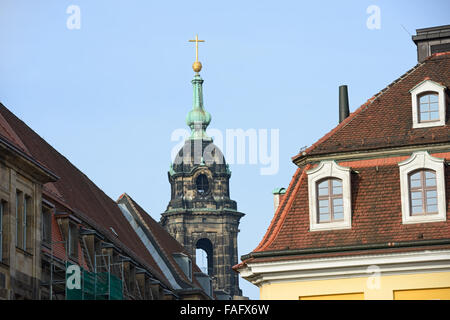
<point>369,153</point>
<point>293,252</point>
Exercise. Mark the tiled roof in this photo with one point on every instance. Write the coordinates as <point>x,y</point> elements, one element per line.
<point>384,121</point>
<point>165,242</point>
<point>386,118</point>
<point>376,214</point>
<point>76,192</point>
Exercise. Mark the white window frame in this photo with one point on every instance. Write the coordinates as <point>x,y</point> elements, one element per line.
<point>424,87</point>
<point>329,169</point>
<point>422,160</point>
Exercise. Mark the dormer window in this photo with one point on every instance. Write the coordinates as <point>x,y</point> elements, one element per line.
<point>423,192</point>
<point>329,193</point>
<point>428,104</point>
<point>422,187</point>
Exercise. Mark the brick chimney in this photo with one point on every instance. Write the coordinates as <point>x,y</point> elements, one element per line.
<point>432,40</point>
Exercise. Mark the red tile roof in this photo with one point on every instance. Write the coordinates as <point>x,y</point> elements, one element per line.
<point>76,192</point>
<point>59,250</point>
<point>386,118</point>
<point>376,214</point>
<point>384,121</point>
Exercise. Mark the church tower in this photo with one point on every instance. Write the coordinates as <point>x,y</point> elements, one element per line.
<point>200,214</point>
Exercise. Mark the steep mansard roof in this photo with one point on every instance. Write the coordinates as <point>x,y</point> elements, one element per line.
<point>384,121</point>
<point>386,118</point>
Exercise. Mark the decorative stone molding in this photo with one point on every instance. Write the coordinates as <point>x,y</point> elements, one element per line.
<point>422,160</point>
<point>329,169</point>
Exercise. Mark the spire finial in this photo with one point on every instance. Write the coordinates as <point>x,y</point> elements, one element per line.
<point>197,65</point>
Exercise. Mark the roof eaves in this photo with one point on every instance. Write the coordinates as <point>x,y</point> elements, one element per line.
<point>283,209</point>
<point>306,251</point>
<point>52,177</point>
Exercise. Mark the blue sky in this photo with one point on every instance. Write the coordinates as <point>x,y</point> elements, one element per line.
<point>109,95</point>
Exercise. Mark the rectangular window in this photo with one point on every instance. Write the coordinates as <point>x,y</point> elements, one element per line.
<point>24,223</point>
<point>46,225</point>
<point>330,201</point>
<point>73,241</point>
<point>24,216</point>
<point>423,192</point>
<point>19,217</point>
<point>1,229</point>
<point>429,107</point>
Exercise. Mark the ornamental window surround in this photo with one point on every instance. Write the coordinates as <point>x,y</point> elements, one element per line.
<point>329,192</point>
<point>428,100</point>
<point>422,188</point>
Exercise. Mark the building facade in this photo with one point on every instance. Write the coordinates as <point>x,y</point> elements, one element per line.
<point>366,215</point>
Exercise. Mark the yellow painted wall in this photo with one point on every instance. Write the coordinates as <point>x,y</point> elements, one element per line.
<point>418,294</point>
<point>382,288</point>
<point>344,296</point>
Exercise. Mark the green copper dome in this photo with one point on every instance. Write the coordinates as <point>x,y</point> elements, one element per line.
<point>198,118</point>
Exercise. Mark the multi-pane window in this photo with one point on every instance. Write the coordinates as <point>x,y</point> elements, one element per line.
<point>330,201</point>
<point>24,222</point>
<point>24,215</point>
<point>429,107</point>
<point>73,240</point>
<point>423,192</point>
<point>46,220</point>
<point>2,206</point>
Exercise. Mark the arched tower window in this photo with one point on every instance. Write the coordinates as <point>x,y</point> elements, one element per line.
<point>330,203</point>
<point>204,255</point>
<point>202,184</point>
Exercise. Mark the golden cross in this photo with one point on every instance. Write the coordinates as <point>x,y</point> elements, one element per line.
<point>196,46</point>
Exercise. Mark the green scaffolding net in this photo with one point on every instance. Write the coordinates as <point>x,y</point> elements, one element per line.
<point>85,285</point>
